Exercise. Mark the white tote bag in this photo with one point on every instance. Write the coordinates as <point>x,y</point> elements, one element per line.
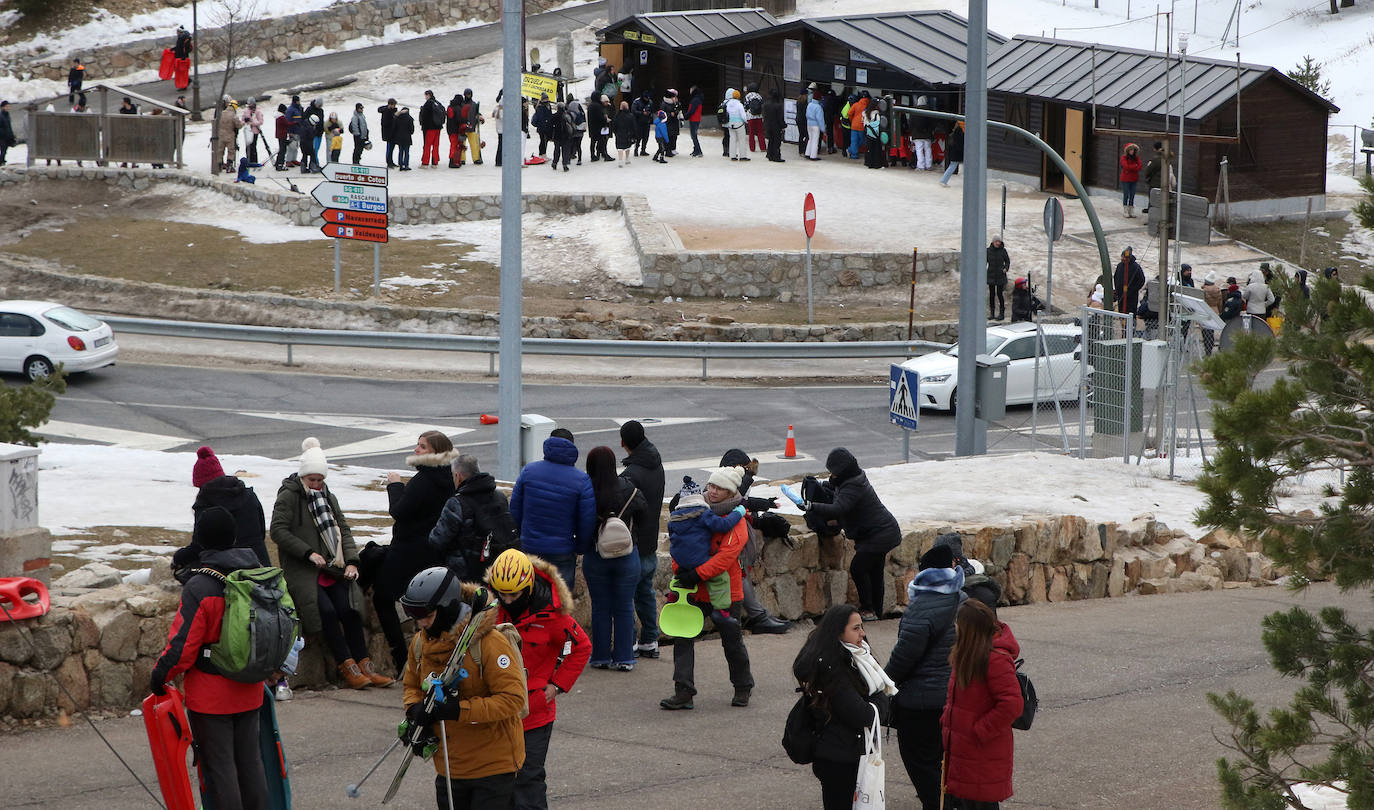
<point>870,791</point>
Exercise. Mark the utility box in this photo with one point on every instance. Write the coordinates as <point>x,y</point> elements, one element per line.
<point>990,387</point>
<point>534,429</point>
<point>1110,385</point>
<point>25,547</point>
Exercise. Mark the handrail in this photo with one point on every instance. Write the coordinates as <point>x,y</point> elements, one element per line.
<point>490,344</point>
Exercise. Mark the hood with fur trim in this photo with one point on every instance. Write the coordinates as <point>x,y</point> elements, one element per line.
<point>562,596</point>
<point>486,619</point>
<point>432,459</point>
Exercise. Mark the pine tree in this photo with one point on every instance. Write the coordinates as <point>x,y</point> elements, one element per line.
<point>1317,419</point>
<point>1309,75</point>
<point>28,406</point>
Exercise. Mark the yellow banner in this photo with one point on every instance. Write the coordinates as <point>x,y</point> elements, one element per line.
<point>628,34</point>
<point>532,85</point>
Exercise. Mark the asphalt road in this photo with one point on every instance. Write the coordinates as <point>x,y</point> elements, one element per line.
<point>1123,722</point>
<point>451,47</point>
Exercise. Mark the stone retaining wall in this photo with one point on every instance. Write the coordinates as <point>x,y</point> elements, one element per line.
<point>272,39</point>
<point>101,639</point>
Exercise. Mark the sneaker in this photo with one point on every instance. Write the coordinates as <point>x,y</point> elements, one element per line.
<point>741,698</point>
<point>649,650</point>
<point>868,616</point>
<point>600,665</point>
<point>283,692</point>
<point>623,666</point>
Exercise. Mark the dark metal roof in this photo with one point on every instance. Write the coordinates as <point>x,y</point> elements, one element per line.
<point>1122,78</point>
<point>683,29</point>
<point>930,45</point>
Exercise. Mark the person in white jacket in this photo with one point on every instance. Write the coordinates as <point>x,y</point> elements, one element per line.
<point>815,123</point>
<point>734,112</point>
<point>252,118</point>
<point>1257,295</point>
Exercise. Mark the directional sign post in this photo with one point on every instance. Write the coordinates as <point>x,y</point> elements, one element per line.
<point>1054,228</point>
<point>809,225</point>
<point>355,207</point>
<point>903,408</point>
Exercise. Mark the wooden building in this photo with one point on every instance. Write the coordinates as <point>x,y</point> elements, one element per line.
<point>1088,101</point>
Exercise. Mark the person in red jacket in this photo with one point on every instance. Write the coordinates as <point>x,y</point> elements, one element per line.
<point>1130,175</point>
<point>722,495</point>
<point>984,698</point>
<point>537,601</point>
<point>223,713</point>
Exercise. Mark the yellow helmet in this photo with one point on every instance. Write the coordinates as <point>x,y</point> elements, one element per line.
<point>511,572</point>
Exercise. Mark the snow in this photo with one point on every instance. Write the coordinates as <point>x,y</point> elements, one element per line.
<point>1318,797</point>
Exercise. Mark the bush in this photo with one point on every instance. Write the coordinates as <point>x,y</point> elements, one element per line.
<point>1364,209</point>
<point>28,406</point>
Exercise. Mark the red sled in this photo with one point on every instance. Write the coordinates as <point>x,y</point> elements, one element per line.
<point>535,160</point>
<point>181,73</point>
<point>164,68</point>
<point>169,735</point>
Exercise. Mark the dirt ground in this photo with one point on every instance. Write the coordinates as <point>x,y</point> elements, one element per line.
<point>96,230</point>
<point>1284,239</point>
<point>64,14</point>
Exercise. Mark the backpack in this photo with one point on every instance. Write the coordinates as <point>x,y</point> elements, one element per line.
<point>513,636</point>
<point>754,105</point>
<point>815,491</point>
<point>1231,307</point>
<point>722,117</point>
<point>260,624</point>
<point>614,538</point>
<point>492,524</point>
<point>1029,701</point>
<point>799,733</point>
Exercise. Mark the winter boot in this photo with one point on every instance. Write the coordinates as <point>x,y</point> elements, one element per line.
<point>377,678</point>
<point>741,698</point>
<point>1130,212</point>
<point>353,676</point>
<point>453,164</point>
<point>681,699</point>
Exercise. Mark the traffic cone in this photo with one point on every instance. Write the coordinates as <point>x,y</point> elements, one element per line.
<point>487,419</point>
<point>789,450</point>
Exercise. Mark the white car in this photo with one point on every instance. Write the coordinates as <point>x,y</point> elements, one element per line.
<point>37,336</point>
<point>1058,378</point>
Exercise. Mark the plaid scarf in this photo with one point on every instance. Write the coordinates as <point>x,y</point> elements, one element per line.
<point>328,526</point>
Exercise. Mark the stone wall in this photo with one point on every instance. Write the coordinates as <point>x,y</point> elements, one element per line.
<point>272,39</point>
<point>102,638</point>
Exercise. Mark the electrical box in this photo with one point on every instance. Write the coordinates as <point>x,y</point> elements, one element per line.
<point>534,429</point>
<point>990,387</point>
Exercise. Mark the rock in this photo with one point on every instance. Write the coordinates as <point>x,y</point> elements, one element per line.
<point>72,676</point>
<point>112,685</point>
<point>1222,539</point>
<point>119,633</point>
<point>51,645</point>
<point>832,551</point>
<point>153,603</point>
<point>6,686</point>
<point>85,635</point>
<point>1116,579</point>
<point>1018,579</point>
<point>152,636</point>
<point>1036,592</point>
<point>1059,585</point>
<point>789,596</point>
<point>29,694</point>
<point>14,648</point>
<point>89,576</point>
<point>1192,581</point>
<point>1149,587</point>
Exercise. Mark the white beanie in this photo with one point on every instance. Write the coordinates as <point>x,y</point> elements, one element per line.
<point>727,478</point>
<point>313,461</point>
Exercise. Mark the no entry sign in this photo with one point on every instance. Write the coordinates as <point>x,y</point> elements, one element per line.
<point>809,215</point>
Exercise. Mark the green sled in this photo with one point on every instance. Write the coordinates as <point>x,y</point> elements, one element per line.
<point>681,619</point>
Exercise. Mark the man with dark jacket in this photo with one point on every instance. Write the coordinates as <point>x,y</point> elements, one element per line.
<point>76,77</point>
<point>388,113</point>
<point>554,506</point>
<point>998,263</point>
<point>919,665</point>
<point>644,469</point>
<point>432,120</point>
<point>542,121</point>
<point>643,109</point>
<point>6,131</point>
<point>597,121</point>
<point>453,123</point>
<point>476,524</point>
<point>1127,282</point>
<point>865,521</point>
<point>773,125</point>
<point>223,713</point>
<point>219,491</point>
<point>312,131</point>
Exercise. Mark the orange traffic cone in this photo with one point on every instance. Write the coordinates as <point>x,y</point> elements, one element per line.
<point>487,419</point>
<point>789,450</point>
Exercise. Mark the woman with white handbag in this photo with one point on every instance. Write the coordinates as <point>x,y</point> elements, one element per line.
<point>847,694</point>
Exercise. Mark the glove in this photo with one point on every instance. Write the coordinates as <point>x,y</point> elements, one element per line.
<point>772,503</point>
<point>158,684</point>
<point>416,715</point>
<point>739,510</point>
<point>450,709</point>
<point>688,577</point>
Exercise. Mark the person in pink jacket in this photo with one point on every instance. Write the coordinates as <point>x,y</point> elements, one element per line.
<point>252,118</point>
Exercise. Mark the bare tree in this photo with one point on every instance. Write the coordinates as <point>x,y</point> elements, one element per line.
<point>231,19</point>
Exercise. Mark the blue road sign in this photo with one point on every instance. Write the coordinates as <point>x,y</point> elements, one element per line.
<point>903,388</point>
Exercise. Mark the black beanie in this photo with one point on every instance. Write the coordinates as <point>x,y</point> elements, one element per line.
<point>734,457</point>
<point>215,529</point>
<point>631,434</point>
<point>937,557</point>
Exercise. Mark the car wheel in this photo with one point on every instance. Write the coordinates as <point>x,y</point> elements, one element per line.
<point>37,367</point>
<point>954,400</point>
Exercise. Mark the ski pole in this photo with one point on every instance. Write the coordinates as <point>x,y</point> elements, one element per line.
<point>356,790</point>
<point>448,783</point>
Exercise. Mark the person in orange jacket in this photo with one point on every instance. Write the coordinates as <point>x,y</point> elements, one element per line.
<point>856,123</point>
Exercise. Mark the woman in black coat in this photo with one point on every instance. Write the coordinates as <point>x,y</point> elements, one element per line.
<point>866,522</point>
<point>597,121</point>
<point>415,506</point>
<point>403,130</point>
<point>836,672</point>
<point>625,129</point>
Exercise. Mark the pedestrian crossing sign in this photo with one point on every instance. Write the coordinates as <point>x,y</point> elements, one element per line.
<point>902,391</point>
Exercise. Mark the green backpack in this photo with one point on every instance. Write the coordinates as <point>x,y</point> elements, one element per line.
<point>259,627</point>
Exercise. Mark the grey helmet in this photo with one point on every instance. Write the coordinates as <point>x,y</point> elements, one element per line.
<point>436,590</point>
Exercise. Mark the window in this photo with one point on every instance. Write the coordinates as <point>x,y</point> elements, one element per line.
<point>1019,349</point>
<point>12,324</point>
<point>71,320</point>
<point>1061,344</point>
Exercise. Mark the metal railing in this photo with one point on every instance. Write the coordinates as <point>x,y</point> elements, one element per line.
<point>490,344</point>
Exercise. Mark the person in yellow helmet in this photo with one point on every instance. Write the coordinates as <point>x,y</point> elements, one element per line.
<point>538,602</point>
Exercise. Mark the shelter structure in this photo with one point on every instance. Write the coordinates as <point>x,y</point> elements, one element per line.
<point>1088,101</point>
<point>103,135</point>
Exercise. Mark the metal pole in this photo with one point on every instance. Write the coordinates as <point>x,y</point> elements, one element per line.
<point>1182,114</point>
<point>512,317</point>
<point>195,64</point>
<point>337,278</point>
<point>1002,232</point>
<point>810,307</point>
<point>376,270</point>
<point>971,433</point>
<point>1049,277</point>
<point>1083,313</point>
<point>906,446</point>
<point>1130,392</point>
<point>911,307</point>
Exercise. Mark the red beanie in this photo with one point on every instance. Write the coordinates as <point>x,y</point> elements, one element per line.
<point>207,467</point>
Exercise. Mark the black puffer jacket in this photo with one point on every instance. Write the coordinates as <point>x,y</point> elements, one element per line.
<point>644,469</point>
<point>919,664</point>
<point>415,508</point>
<point>241,502</point>
<point>861,514</point>
<point>842,712</point>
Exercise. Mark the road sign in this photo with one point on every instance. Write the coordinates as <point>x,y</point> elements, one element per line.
<point>343,217</point>
<point>1054,219</point>
<point>809,215</point>
<point>903,388</point>
<point>354,232</point>
<point>348,173</point>
<point>351,197</point>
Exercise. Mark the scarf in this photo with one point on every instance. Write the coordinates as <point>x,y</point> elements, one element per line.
<point>727,505</point>
<point>872,673</point>
<point>329,528</point>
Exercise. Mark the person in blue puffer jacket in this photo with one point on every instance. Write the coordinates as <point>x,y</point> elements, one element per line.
<point>554,506</point>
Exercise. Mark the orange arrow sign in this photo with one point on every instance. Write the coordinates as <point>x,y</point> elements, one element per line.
<point>364,218</point>
<point>354,232</point>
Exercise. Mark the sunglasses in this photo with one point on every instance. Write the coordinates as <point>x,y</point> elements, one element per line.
<point>415,612</point>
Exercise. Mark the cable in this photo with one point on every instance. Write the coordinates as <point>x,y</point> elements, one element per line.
<point>1126,21</point>
<point>25,633</point>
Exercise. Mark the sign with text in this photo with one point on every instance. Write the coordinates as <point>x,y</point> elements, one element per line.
<point>791,60</point>
<point>354,232</point>
<point>351,197</point>
<point>347,173</point>
<point>533,85</point>
<point>363,218</point>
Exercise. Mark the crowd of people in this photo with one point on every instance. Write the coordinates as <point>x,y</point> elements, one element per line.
<point>461,552</point>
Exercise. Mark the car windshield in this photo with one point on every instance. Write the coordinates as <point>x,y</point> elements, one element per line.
<point>71,320</point>
<point>994,343</point>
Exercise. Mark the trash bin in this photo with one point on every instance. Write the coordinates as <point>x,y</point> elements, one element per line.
<point>534,429</point>
<point>990,386</point>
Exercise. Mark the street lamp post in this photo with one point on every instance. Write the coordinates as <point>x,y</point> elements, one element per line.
<point>195,63</point>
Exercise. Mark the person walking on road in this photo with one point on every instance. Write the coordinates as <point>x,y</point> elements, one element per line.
<point>982,700</point>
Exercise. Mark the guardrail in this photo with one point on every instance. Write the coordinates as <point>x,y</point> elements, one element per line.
<point>490,344</point>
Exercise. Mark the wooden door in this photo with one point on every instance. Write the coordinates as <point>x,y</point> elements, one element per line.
<point>1073,146</point>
